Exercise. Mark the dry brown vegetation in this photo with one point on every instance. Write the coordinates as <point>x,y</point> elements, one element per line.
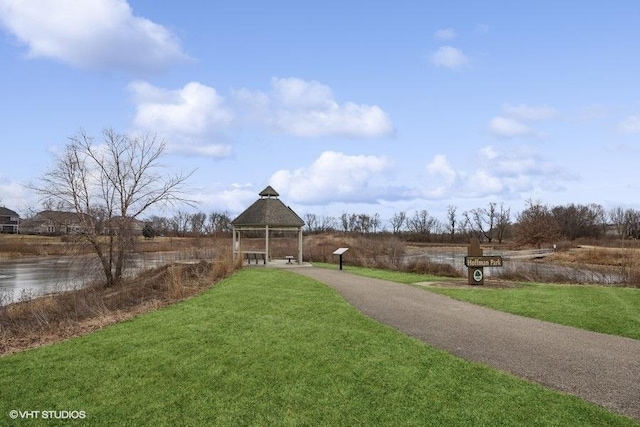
<point>20,245</point>
<point>383,251</point>
<point>35,322</point>
<point>622,261</point>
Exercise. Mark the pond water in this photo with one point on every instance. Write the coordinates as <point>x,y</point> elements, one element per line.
<point>523,261</point>
<point>25,278</point>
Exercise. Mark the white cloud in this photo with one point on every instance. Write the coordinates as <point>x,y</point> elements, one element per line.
<point>630,125</point>
<point>450,57</point>
<point>335,177</point>
<point>233,198</point>
<point>15,196</point>
<point>442,177</point>
<point>189,117</point>
<point>441,167</point>
<point>497,172</point>
<point>528,113</point>
<point>504,127</point>
<point>298,94</point>
<point>308,109</point>
<point>513,123</point>
<point>445,34</point>
<point>93,34</point>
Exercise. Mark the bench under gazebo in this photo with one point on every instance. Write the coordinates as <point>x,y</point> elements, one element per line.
<point>266,215</point>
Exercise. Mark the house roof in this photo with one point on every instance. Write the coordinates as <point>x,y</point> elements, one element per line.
<point>268,210</point>
<point>7,212</point>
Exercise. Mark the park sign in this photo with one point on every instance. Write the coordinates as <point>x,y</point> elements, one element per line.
<point>476,262</point>
<point>483,261</point>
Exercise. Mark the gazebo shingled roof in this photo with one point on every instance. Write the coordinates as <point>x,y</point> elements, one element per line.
<point>268,210</point>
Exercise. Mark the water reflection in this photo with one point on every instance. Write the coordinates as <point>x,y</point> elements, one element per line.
<point>24,278</point>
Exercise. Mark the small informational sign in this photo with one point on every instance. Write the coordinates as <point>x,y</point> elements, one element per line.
<point>477,275</point>
<point>340,252</point>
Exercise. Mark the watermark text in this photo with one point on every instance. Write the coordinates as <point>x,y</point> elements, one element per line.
<point>47,415</point>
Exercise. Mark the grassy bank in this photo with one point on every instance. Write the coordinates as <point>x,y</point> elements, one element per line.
<point>610,310</point>
<point>613,311</point>
<point>268,347</point>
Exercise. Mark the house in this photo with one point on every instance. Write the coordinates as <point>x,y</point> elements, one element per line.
<point>9,220</point>
<point>55,222</point>
<point>132,225</point>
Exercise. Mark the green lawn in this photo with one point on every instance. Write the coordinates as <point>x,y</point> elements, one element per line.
<point>269,347</point>
<point>610,310</point>
<point>392,276</point>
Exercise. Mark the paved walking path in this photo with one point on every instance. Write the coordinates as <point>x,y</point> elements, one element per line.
<point>603,369</point>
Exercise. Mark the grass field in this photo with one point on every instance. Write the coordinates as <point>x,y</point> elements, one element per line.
<point>610,310</point>
<point>269,347</point>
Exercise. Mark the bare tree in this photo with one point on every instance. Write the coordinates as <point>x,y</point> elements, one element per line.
<point>219,222</point>
<point>576,221</point>
<point>503,222</point>
<point>120,176</point>
<point>483,220</point>
<point>632,223</point>
<point>617,218</point>
<point>450,226</point>
<point>421,223</point>
<point>197,223</point>
<point>311,222</point>
<point>327,223</point>
<point>536,225</point>
<point>398,221</point>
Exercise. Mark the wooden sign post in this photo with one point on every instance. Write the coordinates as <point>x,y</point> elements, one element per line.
<point>476,262</point>
<point>475,275</point>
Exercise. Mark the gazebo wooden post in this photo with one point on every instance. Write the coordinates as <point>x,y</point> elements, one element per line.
<point>234,244</point>
<point>266,244</point>
<point>300,245</point>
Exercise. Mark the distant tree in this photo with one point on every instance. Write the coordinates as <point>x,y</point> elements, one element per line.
<point>148,232</point>
<point>575,221</point>
<point>345,222</point>
<point>180,223</point>
<point>375,222</point>
<point>197,222</point>
<point>450,226</point>
<point>484,220</point>
<point>311,223</point>
<point>536,225</point>
<point>327,223</point>
<point>398,221</point>
<point>616,216</point>
<point>120,175</point>
<point>503,222</point>
<point>219,222</point>
<point>421,223</point>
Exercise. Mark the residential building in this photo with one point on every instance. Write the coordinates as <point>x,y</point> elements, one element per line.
<point>9,220</point>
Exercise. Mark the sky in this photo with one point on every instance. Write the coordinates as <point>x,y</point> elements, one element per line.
<point>359,107</point>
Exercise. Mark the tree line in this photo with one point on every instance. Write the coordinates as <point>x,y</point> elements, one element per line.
<point>537,224</point>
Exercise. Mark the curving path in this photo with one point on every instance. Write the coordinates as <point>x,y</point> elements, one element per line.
<point>603,369</point>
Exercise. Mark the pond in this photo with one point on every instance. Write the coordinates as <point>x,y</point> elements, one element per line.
<point>24,278</point>
<point>522,261</point>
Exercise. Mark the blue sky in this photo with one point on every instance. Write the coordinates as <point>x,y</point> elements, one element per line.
<point>371,107</point>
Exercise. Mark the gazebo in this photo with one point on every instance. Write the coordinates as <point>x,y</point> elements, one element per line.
<point>267,214</point>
